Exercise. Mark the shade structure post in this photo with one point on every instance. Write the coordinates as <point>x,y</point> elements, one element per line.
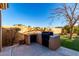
<point>3,6</point>
<point>0,33</point>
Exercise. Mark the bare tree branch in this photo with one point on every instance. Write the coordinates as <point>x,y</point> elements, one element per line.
<point>76,20</point>
<point>74,10</point>
<point>70,13</point>
<point>67,14</point>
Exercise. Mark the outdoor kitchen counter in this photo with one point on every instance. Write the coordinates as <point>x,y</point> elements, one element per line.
<point>54,42</point>
<point>27,37</point>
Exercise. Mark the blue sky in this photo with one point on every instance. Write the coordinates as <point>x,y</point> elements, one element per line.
<point>33,14</point>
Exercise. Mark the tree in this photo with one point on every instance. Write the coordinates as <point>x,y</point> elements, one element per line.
<point>70,13</point>
<point>76,30</point>
<point>67,28</point>
<point>18,25</point>
<point>36,28</point>
<point>29,26</point>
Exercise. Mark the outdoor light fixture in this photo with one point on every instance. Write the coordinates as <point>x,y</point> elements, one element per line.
<point>3,6</point>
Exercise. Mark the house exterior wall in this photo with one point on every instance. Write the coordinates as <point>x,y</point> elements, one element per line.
<point>57,30</point>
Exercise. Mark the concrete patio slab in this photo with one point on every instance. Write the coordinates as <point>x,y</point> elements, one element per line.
<point>36,50</point>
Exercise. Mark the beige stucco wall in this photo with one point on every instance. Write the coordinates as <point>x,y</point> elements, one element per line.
<point>57,30</point>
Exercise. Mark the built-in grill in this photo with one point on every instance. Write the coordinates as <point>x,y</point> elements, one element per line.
<point>45,38</point>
